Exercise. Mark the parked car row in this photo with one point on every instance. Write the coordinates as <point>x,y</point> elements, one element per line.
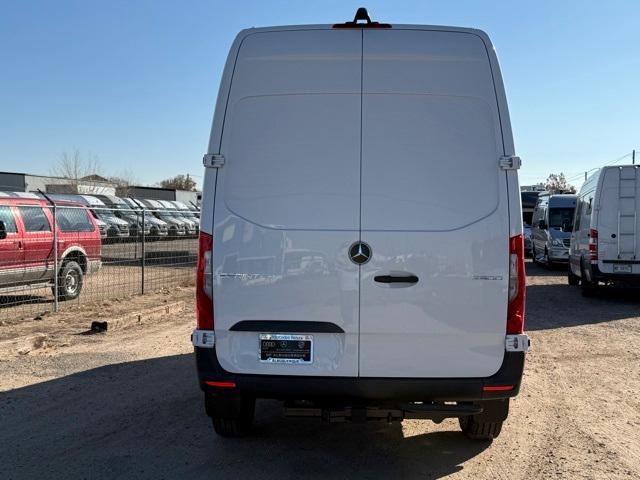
<point>122,218</point>
<point>594,232</point>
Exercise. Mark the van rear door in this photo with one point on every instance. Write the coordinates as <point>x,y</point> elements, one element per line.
<point>287,201</point>
<point>618,225</point>
<point>433,299</point>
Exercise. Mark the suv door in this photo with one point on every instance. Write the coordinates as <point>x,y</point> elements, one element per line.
<point>11,250</point>
<point>38,243</point>
<point>287,201</point>
<point>433,297</point>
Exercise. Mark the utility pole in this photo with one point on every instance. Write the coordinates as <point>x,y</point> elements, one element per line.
<point>633,157</point>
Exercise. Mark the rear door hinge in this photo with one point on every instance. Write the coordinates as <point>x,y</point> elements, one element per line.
<point>510,163</point>
<point>213,160</point>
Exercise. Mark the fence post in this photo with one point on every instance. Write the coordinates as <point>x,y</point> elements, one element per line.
<point>55,259</point>
<point>143,250</point>
<point>55,250</point>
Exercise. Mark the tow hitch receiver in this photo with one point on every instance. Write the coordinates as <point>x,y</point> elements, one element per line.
<point>357,414</point>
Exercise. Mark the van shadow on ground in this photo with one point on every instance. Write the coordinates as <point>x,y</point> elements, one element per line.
<point>145,419</point>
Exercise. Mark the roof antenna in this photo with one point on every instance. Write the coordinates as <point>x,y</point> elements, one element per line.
<point>362,20</point>
<point>362,14</point>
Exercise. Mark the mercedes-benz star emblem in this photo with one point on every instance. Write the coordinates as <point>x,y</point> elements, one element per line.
<point>360,253</point>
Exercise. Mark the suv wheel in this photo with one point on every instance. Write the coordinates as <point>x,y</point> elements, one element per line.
<point>70,281</point>
<point>479,430</point>
<point>231,416</point>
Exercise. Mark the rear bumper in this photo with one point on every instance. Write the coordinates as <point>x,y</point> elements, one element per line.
<point>559,255</point>
<point>629,279</point>
<point>360,388</point>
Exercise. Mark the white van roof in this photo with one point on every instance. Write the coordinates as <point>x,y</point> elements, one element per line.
<point>93,200</point>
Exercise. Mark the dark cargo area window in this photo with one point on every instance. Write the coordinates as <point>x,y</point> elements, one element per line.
<point>72,219</point>
<point>6,216</point>
<point>34,219</point>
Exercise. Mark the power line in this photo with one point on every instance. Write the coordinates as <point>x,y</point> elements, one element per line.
<point>576,177</point>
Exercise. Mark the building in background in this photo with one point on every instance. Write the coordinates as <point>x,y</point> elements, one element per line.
<point>23,182</point>
<point>159,193</point>
<point>91,185</point>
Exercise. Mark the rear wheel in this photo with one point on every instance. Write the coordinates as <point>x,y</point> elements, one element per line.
<point>572,278</point>
<point>588,287</point>
<point>70,281</point>
<point>476,430</point>
<point>231,416</point>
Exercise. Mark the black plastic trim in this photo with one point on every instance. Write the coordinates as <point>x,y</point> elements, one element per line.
<point>395,279</point>
<point>633,262</point>
<point>285,326</point>
<point>360,388</point>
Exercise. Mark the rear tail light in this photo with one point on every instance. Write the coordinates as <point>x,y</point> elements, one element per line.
<point>497,388</point>
<point>515,310</point>
<point>204,282</point>
<point>213,383</point>
<point>593,245</point>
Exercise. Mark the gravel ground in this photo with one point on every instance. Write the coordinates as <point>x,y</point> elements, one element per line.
<point>125,404</point>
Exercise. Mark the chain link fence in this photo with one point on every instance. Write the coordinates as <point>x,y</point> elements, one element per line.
<point>103,253</point>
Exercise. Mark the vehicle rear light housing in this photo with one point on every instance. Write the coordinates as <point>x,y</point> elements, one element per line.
<point>517,281</point>
<point>593,245</point>
<point>497,388</point>
<point>204,282</point>
<point>213,383</point>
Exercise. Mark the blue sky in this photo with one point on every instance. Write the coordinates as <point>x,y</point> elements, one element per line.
<point>133,83</point>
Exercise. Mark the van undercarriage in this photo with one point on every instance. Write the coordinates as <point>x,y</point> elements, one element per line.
<point>359,399</point>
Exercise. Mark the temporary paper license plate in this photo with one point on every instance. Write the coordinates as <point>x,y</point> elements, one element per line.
<point>621,268</point>
<point>286,348</point>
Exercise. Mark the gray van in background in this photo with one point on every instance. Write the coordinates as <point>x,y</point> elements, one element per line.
<point>551,227</point>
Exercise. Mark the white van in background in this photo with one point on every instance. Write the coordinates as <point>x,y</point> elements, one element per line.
<point>335,271</point>
<point>604,243</point>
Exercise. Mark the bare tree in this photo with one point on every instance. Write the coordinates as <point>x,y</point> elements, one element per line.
<point>179,182</point>
<point>557,183</point>
<point>77,168</point>
<point>124,181</point>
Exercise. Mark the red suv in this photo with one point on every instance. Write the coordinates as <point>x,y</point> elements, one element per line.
<point>26,245</point>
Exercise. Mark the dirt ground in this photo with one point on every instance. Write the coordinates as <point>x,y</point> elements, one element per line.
<point>125,404</point>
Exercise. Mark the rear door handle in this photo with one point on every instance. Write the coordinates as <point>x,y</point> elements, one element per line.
<point>396,278</point>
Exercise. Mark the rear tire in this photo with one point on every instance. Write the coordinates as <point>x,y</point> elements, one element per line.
<point>479,430</point>
<point>70,281</point>
<point>572,278</point>
<point>588,288</point>
<point>232,417</point>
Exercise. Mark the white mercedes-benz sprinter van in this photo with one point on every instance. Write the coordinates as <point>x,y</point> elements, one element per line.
<point>604,243</point>
<point>336,270</point>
